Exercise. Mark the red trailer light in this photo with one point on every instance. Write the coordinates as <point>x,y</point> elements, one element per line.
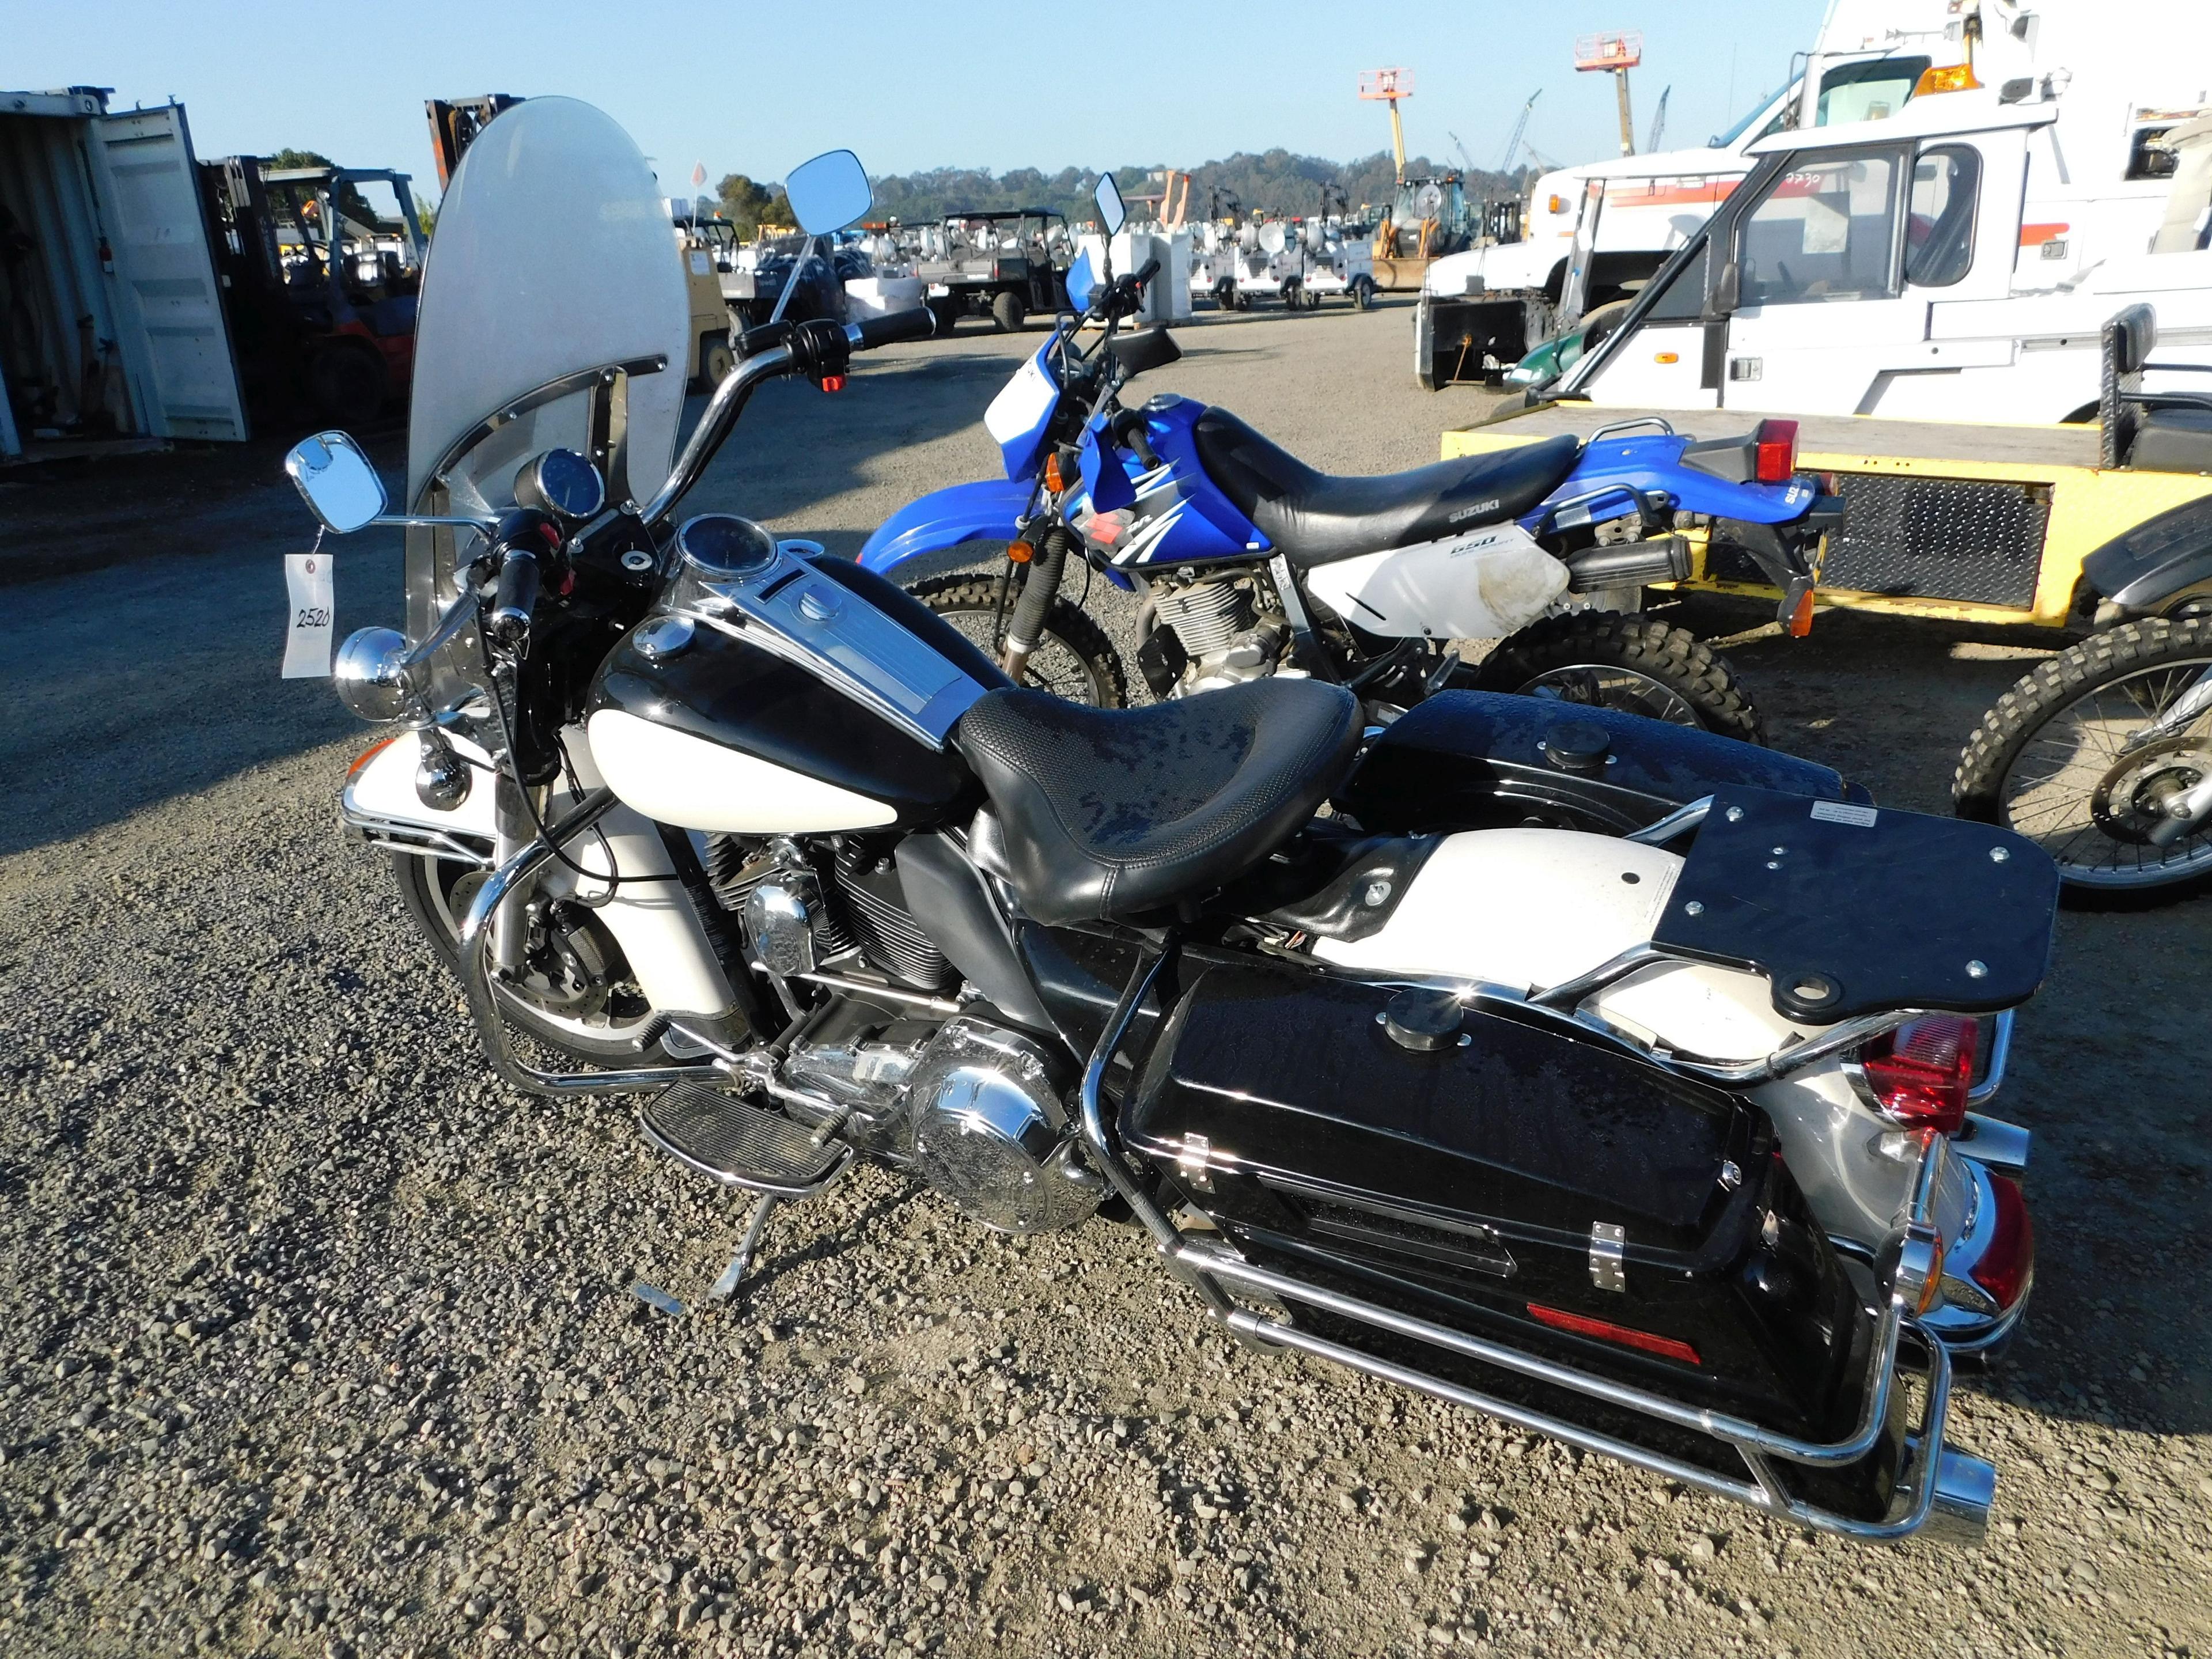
<point>2008,1263</point>
<point>1667,1347</point>
<point>1919,1073</point>
<point>1776,442</point>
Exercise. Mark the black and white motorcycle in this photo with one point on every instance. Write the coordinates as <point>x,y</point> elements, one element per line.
<point>1609,1076</point>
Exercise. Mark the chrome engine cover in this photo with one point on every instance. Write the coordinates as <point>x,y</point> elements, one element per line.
<point>988,1133</point>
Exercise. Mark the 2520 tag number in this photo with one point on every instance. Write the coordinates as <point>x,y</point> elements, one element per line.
<point>313,616</point>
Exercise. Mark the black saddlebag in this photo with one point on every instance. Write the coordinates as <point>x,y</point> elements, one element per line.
<point>1486,760</point>
<point>1484,1185</point>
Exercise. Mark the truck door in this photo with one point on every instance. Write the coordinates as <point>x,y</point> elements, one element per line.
<point>175,344</point>
<point>1816,300</point>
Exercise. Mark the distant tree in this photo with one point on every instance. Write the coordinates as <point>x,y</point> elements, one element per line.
<point>747,205</point>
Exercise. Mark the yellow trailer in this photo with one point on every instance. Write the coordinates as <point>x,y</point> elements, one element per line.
<point>1984,523</point>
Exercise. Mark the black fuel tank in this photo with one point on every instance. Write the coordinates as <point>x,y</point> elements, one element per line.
<point>740,697</point>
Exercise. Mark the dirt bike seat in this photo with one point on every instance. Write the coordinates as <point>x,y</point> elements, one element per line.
<point>1315,519</point>
<point>1113,811</point>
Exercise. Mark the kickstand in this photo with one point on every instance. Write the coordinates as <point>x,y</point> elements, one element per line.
<point>726,1285</point>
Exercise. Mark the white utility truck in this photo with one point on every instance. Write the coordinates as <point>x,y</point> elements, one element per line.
<point>2119,75</point>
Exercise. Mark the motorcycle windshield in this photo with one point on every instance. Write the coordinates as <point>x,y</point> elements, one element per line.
<point>553,257</point>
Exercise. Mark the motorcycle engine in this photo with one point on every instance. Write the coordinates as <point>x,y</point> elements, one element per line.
<point>989,1134</point>
<point>1214,631</point>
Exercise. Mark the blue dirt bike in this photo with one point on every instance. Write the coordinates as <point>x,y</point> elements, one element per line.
<point>1251,563</point>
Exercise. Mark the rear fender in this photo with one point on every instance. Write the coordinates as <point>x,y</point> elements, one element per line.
<point>2146,569</point>
<point>1652,464</point>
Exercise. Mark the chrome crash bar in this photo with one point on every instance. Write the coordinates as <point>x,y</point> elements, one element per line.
<point>1946,1484</point>
<point>477,970</point>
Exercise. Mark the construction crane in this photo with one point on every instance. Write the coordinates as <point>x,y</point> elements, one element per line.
<point>1388,86</point>
<point>1460,144</point>
<point>1520,131</point>
<point>1616,54</point>
<point>1658,124</point>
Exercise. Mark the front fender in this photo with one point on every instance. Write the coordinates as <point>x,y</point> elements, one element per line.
<point>985,512</point>
<point>945,518</point>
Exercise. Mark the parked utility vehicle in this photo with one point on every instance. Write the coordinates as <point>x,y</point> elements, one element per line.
<point>1004,265</point>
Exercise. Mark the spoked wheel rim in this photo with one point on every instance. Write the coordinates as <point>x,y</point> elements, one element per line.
<point>1607,685</point>
<point>1055,666</point>
<point>2077,791</point>
<point>622,1015</point>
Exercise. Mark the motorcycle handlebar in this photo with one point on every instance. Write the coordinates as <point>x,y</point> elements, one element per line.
<point>514,597</point>
<point>866,335</point>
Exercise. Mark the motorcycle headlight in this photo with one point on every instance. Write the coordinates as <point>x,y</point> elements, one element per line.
<point>370,676</point>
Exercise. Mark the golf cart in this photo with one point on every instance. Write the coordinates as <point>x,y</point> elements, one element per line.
<point>1005,263</point>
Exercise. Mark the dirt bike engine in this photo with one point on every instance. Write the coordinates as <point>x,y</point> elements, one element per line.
<point>1214,631</point>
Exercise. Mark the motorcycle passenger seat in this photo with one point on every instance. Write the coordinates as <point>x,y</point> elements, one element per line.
<point>1110,812</point>
<point>1315,519</point>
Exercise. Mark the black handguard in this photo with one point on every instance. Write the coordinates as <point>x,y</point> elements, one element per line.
<point>866,335</point>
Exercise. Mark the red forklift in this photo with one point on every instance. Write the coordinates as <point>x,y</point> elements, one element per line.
<point>320,268</point>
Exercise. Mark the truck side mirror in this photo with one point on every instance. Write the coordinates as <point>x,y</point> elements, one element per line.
<point>1727,294</point>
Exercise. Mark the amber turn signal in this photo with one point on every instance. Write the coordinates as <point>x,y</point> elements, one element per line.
<point>1020,552</point>
<point>1053,479</point>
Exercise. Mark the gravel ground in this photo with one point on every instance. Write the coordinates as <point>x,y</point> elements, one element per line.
<point>314,1341</point>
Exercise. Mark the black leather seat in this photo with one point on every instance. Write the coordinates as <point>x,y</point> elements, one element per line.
<point>1314,518</point>
<point>1112,812</point>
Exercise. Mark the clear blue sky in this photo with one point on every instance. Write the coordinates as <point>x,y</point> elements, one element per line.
<point>756,88</point>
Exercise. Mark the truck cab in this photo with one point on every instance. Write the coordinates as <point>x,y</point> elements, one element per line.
<point>1955,262</point>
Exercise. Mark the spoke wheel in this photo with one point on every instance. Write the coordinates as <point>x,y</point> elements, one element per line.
<point>1075,660</point>
<point>2060,760</point>
<point>1635,664</point>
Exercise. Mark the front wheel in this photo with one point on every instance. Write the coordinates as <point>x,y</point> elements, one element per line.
<point>1075,660</point>
<point>1631,663</point>
<point>576,995</point>
<point>2060,760</point>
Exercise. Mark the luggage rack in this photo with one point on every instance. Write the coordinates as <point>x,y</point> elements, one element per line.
<point>1946,1487</point>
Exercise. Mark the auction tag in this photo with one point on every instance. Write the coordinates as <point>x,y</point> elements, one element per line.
<point>307,633</point>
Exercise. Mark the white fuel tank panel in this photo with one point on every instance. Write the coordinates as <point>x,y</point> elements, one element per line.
<point>676,778</point>
<point>1482,585</point>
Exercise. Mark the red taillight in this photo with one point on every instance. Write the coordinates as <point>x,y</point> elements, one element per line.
<point>1920,1073</point>
<point>1667,1347</point>
<point>1777,443</point>
<point>2009,1259</point>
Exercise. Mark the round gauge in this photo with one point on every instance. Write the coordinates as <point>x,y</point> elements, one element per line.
<point>722,547</point>
<point>562,482</point>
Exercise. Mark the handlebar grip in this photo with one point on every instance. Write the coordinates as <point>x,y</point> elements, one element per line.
<point>514,597</point>
<point>918,324</point>
<point>1146,272</point>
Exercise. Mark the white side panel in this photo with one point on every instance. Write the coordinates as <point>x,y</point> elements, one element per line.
<point>1481,586</point>
<point>678,779</point>
<point>652,920</point>
<point>1528,909</point>
<point>158,234</point>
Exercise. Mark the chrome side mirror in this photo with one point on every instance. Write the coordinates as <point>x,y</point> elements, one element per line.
<point>1112,215</point>
<point>340,485</point>
<point>829,193</point>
